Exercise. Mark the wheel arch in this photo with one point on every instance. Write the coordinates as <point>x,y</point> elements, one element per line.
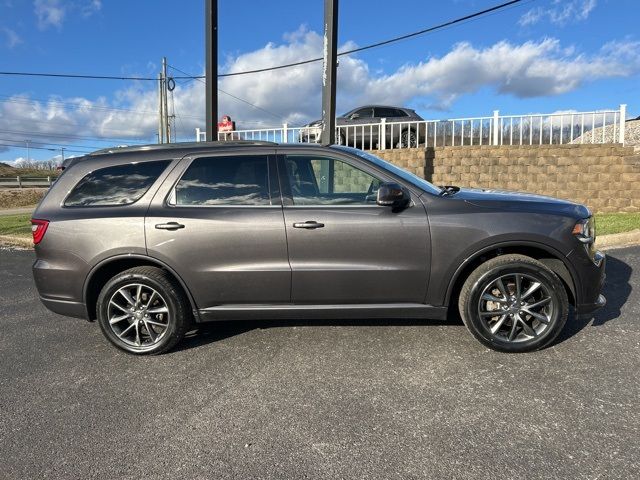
<point>107,268</point>
<point>549,256</point>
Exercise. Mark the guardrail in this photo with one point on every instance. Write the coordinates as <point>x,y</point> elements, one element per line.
<point>26,182</point>
<point>594,127</point>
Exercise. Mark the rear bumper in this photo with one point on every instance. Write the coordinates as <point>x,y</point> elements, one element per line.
<point>66,308</point>
<point>58,288</point>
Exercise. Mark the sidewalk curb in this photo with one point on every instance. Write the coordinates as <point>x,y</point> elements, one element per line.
<point>618,240</point>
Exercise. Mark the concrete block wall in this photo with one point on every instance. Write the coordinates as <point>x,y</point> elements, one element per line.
<point>604,177</point>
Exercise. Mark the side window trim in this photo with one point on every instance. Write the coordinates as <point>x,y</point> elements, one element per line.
<point>273,186</point>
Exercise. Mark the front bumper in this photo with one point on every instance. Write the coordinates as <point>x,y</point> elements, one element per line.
<point>592,275</point>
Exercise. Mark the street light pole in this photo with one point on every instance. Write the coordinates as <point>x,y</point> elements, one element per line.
<point>329,70</point>
<point>211,82</point>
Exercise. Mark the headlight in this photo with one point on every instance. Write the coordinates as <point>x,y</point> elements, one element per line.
<point>585,230</point>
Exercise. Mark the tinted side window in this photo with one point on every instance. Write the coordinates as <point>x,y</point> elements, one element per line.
<point>385,112</point>
<point>117,185</point>
<point>237,180</point>
<point>328,181</point>
<point>365,112</point>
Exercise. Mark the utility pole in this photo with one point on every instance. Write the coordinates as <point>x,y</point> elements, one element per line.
<point>160,136</point>
<point>211,81</point>
<point>62,153</point>
<point>165,108</point>
<point>329,70</point>
<point>28,159</point>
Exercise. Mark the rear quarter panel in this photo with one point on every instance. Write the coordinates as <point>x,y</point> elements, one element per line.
<point>78,238</point>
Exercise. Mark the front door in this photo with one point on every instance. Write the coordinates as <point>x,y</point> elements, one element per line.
<point>343,247</point>
<point>217,221</point>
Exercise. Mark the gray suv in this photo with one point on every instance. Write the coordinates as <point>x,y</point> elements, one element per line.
<point>150,240</point>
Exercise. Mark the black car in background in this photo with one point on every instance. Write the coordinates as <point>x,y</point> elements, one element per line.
<point>361,127</point>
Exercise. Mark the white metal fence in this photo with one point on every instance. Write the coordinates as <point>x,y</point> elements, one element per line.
<point>594,127</point>
<point>24,182</point>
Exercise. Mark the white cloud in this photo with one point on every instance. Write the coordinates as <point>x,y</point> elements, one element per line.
<point>12,38</point>
<point>49,13</point>
<point>52,13</point>
<point>91,7</point>
<point>530,69</point>
<point>560,12</point>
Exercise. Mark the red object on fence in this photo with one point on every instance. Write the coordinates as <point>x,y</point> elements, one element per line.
<point>226,125</point>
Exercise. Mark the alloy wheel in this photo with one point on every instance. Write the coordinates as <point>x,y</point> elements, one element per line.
<point>138,315</point>
<point>516,307</point>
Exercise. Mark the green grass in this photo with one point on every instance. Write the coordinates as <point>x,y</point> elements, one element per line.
<point>16,225</point>
<point>607,223</point>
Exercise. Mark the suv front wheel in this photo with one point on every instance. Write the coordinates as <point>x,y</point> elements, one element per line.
<point>513,303</point>
<point>143,311</point>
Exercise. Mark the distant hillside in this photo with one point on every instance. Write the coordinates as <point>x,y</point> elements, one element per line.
<point>7,169</point>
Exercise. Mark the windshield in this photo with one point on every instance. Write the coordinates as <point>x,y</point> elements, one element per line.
<point>421,183</point>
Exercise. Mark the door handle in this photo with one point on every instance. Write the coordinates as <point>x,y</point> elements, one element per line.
<point>169,226</point>
<point>310,224</point>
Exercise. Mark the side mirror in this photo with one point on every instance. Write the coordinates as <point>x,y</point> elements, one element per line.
<point>393,195</point>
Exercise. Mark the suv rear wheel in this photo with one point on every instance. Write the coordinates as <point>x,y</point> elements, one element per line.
<point>143,311</point>
<point>513,303</point>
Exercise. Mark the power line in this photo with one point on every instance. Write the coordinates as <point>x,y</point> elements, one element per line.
<point>87,147</point>
<point>231,95</point>
<point>72,136</point>
<point>35,101</point>
<point>41,148</point>
<point>288,65</point>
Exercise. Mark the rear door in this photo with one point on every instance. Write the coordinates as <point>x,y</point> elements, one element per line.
<point>343,247</point>
<point>217,221</point>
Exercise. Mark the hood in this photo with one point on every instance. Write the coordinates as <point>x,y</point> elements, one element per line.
<point>315,123</point>
<point>530,202</point>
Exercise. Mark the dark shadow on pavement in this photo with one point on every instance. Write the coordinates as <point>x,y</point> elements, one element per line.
<point>211,332</point>
<point>616,289</point>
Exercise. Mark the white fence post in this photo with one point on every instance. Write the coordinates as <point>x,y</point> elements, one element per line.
<point>382,135</point>
<point>19,181</point>
<point>285,133</point>
<point>197,134</point>
<point>623,118</point>
<point>496,125</point>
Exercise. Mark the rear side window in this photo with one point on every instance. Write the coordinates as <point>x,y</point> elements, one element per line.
<point>117,185</point>
<point>234,180</point>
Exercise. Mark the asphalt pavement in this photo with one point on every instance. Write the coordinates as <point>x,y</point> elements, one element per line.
<point>327,400</point>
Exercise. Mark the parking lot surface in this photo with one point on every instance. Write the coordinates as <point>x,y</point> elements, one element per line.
<point>333,399</point>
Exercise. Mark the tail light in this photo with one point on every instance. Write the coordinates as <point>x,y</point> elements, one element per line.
<point>38,229</point>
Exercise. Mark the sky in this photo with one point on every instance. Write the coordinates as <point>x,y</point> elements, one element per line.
<point>539,56</point>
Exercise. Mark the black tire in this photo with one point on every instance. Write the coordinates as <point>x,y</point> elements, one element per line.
<point>492,287</point>
<point>408,138</point>
<point>167,330</point>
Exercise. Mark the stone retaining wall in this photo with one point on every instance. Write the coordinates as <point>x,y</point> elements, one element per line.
<point>604,177</point>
